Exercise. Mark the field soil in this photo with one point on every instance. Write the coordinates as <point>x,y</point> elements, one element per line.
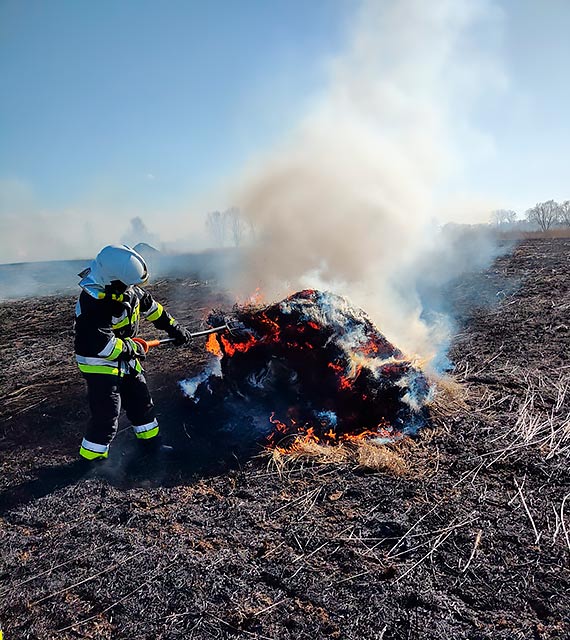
<point>468,538</point>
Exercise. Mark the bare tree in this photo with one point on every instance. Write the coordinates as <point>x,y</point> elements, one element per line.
<point>503,216</point>
<point>544,214</point>
<point>564,213</point>
<point>252,229</point>
<point>216,226</point>
<point>234,222</point>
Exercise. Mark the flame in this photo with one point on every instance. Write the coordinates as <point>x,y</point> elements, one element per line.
<point>213,346</point>
<point>271,332</point>
<point>370,349</point>
<point>272,327</point>
<point>230,348</point>
<point>344,381</point>
<point>361,355</point>
<point>304,437</point>
<point>306,434</point>
<point>226,345</point>
<point>359,437</point>
<point>279,426</point>
<point>257,297</point>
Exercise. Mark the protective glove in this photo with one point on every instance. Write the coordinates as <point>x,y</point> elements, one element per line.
<point>132,350</point>
<point>180,334</point>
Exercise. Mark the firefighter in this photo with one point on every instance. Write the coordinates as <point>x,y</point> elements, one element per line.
<point>107,318</point>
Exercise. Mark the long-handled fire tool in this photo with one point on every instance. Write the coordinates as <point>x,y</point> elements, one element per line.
<point>234,327</point>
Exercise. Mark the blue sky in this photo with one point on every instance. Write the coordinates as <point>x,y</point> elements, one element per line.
<point>142,107</point>
<point>529,121</point>
<point>103,95</point>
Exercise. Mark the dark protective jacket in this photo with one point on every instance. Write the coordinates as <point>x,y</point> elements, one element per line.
<point>104,324</point>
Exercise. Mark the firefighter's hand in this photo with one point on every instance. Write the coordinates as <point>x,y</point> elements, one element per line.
<point>180,334</point>
<point>135,349</point>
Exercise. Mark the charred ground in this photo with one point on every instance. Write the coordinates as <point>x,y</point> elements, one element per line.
<point>472,542</point>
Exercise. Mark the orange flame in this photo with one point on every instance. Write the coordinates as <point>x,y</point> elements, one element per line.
<point>232,347</point>
<point>280,426</point>
<point>359,437</point>
<point>343,381</point>
<point>213,346</point>
<point>256,297</point>
<point>306,434</point>
<point>369,349</point>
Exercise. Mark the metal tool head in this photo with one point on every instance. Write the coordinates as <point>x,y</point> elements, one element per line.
<point>237,328</point>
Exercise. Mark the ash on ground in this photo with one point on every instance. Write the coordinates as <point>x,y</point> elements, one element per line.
<point>311,365</point>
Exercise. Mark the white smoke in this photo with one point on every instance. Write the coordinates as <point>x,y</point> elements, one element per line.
<point>349,202</point>
<point>30,231</point>
<point>138,232</point>
<point>190,385</point>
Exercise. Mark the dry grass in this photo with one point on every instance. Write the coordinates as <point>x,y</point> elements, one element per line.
<point>449,400</point>
<point>387,458</point>
<point>541,418</point>
<point>366,455</point>
<point>398,458</point>
<point>559,232</point>
<point>301,449</point>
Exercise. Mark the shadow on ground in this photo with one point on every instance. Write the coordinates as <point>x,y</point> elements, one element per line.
<point>208,448</point>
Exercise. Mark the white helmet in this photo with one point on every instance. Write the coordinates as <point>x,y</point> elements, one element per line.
<point>119,262</point>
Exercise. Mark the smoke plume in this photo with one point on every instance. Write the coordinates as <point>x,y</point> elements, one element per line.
<point>139,232</point>
<point>350,201</point>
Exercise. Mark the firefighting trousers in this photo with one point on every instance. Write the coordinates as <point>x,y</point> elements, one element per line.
<point>106,395</point>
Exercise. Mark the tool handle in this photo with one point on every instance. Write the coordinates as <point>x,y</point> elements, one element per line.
<point>156,343</point>
<point>147,344</point>
<point>207,332</point>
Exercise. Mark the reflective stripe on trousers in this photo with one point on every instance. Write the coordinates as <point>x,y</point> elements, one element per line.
<point>92,450</point>
<point>146,431</point>
<point>107,395</point>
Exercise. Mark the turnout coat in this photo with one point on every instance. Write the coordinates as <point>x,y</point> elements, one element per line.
<point>106,322</point>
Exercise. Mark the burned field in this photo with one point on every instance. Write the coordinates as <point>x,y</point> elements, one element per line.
<point>463,532</point>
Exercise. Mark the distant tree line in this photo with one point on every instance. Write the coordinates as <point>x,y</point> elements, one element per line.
<point>231,228</point>
<point>544,215</point>
<point>228,227</point>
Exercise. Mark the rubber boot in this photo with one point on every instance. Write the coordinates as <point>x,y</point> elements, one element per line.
<point>82,467</point>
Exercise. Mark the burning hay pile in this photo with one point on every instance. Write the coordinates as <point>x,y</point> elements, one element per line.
<point>310,367</point>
